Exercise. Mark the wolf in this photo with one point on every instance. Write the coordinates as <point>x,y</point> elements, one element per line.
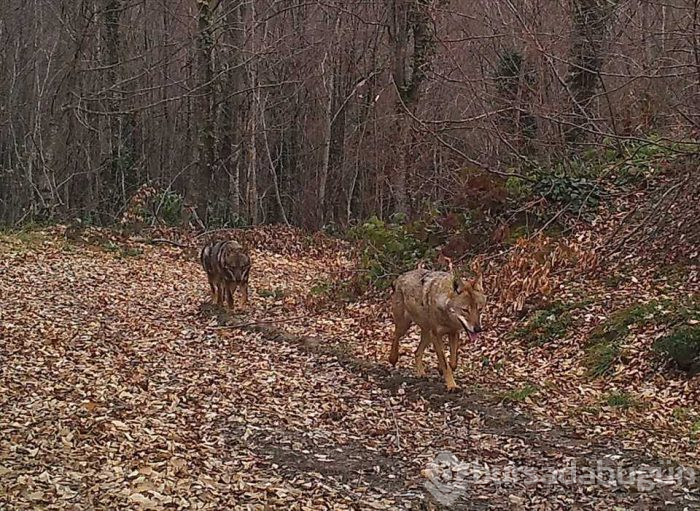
<point>227,265</point>
<point>440,303</point>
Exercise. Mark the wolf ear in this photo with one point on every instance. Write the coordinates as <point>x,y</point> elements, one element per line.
<point>457,284</point>
<point>478,283</point>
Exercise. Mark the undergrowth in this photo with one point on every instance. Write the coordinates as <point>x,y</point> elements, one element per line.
<point>519,395</point>
<point>682,346</point>
<point>619,399</point>
<point>277,293</point>
<point>547,325</point>
<point>388,249</point>
<point>681,343</point>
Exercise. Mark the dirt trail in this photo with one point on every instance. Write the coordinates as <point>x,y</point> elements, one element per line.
<point>474,426</point>
<point>119,391</point>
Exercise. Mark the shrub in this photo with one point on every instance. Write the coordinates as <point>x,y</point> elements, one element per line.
<point>513,79</point>
<point>682,345</point>
<point>577,193</point>
<point>603,349</point>
<point>149,206</point>
<point>573,184</point>
<point>519,395</point>
<point>508,72</point>
<point>637,160</point>
<point>480,193</point>
<point>220,216</point>
<point>546,325</point>
<point>617,399</point>
<point>517,188</point>
<point>601,356</point>
<point>277,293</point>
<point>388,249</point>
<point>168,207</point>
<point>617,326</point>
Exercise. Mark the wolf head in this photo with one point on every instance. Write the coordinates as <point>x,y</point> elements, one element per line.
<point>234,262</point>
<point>466,304</point>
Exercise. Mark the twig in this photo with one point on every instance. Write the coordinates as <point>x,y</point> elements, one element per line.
<point>454,149</point>
<point>649,215</point>
<point>396,424</point>
<point>550,221</point>
<point>510,249</point>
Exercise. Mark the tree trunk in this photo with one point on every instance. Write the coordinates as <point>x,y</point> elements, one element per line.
<point>591,22</point>
<point>328,71</point>
<point>234,111</point>
<point>400,27</point>
<point>253,113</point>
<point>326,157</point>
<point>112,181</point>
<point>204,118</point>
<point>696,43</point>
<point>409,18</point>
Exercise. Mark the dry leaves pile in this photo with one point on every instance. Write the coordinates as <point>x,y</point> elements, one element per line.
<point>529,269</point>
<point>119,391</point>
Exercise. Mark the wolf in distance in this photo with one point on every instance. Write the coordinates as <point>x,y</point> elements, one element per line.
<point>441,304</point>
<point>227,265</point>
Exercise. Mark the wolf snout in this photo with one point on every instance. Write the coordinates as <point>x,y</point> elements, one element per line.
<point>471,329</point>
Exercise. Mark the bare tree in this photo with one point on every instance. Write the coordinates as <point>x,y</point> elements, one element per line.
<point>205,155</point>
<point>414,46</point>
<point>318,112</point>
<point>591,23</point>
<point>253,116</point>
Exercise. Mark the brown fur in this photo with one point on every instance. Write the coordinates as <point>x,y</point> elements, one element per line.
<point>227,265</point>
<point>441,304</point>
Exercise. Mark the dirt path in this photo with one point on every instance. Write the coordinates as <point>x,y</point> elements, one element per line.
<point>474,426</point>
<point>119,391</point>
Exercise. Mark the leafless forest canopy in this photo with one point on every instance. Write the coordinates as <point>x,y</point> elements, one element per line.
<point>323,111</point>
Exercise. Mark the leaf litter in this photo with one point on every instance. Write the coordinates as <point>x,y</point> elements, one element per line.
<point>120,389</point>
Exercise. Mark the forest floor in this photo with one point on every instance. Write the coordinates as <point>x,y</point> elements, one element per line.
<point>122,388</point>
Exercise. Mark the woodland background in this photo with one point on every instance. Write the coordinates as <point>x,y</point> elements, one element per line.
<point>325,112</point>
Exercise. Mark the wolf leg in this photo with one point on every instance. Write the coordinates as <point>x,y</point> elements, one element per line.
<point>424,341</point>
<point>221,293</point>
<point>454,347</point>
<point>230,288</point>
<point>447,371</point>
<point>213,293</point>
<point>244,289</point>
<point>440,361</point>
<point>402,322</point>
<point>400,329</point>
<point>218,292</point>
